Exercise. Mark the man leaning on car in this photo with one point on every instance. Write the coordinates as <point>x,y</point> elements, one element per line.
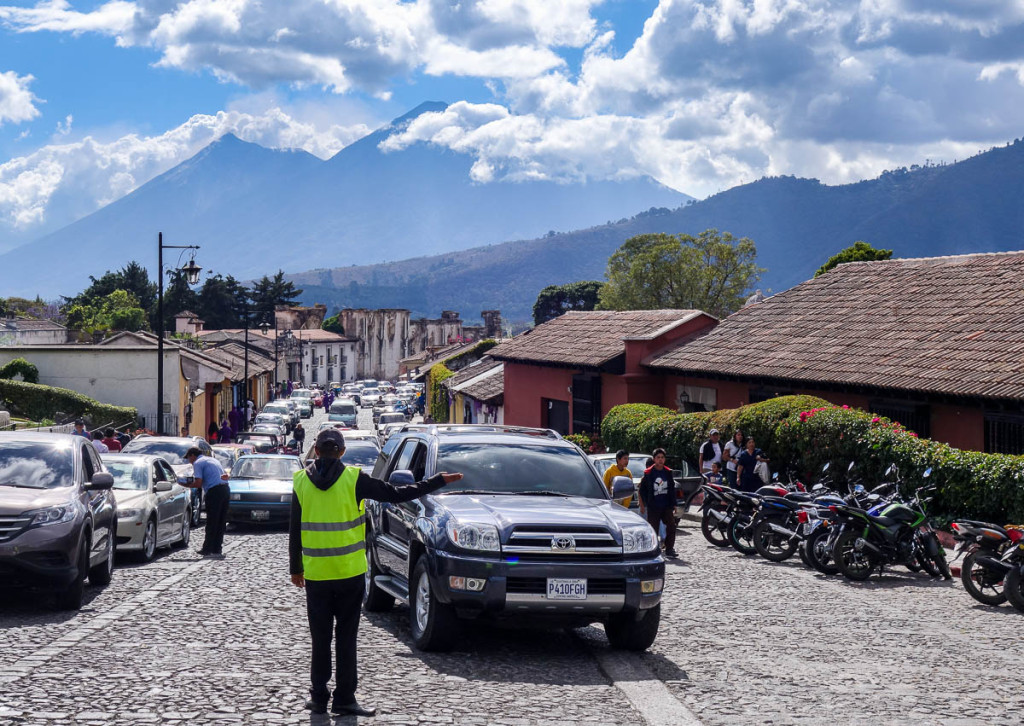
<point>209,474</point>
<point>326,549</point>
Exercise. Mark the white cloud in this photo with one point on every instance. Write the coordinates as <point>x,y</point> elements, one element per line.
<point>62,182</point>
<point>64,127</point>
<point>17,103</point>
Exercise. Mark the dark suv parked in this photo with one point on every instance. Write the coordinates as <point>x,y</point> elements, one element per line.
<point>58,517</point>
<point>529,532</point>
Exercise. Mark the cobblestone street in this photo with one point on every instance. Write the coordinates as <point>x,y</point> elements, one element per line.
<point>183,640</point>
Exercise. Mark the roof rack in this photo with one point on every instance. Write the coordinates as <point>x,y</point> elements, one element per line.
<point>491,428</point>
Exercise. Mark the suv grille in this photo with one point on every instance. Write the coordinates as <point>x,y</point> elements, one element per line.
<point>538,585</point>
<point>13,525</point>
<point>533,543</point>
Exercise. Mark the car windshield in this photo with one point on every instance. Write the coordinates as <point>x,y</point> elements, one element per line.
<point>519,469</point>
<point>36,465</point>
<point>260,443</point>
<point>360,453</point>
<point>371,392</point>
<point>636,466</point>
<point>386,418</point>
<point>174,453</point>
<point>128,474</point>
<point>280,409</point>
<point>226,458</point>
<point>249,467</point>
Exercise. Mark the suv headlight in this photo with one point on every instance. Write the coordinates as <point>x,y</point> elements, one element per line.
<point>54,515</point>
<point>129,513</point>
<point>472,536</point>
<point>636,540</point>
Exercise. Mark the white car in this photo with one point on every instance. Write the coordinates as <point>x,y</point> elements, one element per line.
<point>153,510</point>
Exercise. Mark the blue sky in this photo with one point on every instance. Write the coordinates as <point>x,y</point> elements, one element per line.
<point>96,98</point>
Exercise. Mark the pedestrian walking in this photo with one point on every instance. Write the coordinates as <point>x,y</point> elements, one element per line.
<point>80,429</point>
<point>657,499</point>
<point>733,448</point>
<point>225,435</point>
<point>747,478</point>
<point>249,409</point>
<point>235,418</point>
<point>299,433</point>
<point>710,450</point>
<point>209,476</point>
<point>326,551</point>
<point>111,441</point>
<point>618,469</point>
<point>211,432</point>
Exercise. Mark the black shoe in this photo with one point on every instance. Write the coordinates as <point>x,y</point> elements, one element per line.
<point>316,706</point>
<point>672,554</point>
<point>352,709</point>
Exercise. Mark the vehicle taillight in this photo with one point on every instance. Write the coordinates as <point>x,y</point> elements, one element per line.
<point>955,526</point>
<point>800,487</point>
<point>801,517</point>
<point>1016,535</point>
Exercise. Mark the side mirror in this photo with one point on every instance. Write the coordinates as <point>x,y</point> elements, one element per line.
<point>850,467</point>
<point>622,487</point>
<point>401,477</point>
<point>889,471</point>
<point>162,486</point>
<point>825,468</point>
<point>927,472</point>
<point>100,480</point>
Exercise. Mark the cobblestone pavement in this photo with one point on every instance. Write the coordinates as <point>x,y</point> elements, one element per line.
<point>189,641</point>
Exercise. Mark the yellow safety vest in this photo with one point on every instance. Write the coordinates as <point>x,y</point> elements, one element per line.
<point>333,527</point>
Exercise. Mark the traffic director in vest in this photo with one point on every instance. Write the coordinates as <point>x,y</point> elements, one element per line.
<point>327,554</point>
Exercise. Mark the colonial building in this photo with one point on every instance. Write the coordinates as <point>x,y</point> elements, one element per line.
<point>476,393</point>
<point>28,331</point>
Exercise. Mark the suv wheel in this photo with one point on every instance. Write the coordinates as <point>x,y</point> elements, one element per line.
<point>375,600</point>
<point>626,632</point>
<point>101,573</point>
<point>71,598</point>
<point>433,623</point>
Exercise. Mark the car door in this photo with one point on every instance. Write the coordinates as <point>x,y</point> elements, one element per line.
<point>166,507</point>
<point>100,504</point>
<point>395,520</point>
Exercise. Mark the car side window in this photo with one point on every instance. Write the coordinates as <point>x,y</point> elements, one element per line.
<point>419,461</point>
<point>162,472</point>
<point>405,456</point>
<point>90,461</point>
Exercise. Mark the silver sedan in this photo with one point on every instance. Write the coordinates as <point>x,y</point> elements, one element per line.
<point>153,510</point>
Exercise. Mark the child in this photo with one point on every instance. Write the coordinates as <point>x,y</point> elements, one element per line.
<point>715,475</point>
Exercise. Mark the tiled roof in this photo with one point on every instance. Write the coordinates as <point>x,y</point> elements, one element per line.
<point>307,336</point>
<point>588,338</point>
<point>29,324</point>
<point>949,325</point>
<point>487,388</point>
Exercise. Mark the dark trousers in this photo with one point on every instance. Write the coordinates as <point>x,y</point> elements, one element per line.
<point>216,518</point>
<point>658,515</point>
<point>333,608</point>
<point>730,475</point>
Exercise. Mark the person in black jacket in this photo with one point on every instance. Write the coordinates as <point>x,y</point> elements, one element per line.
<point>333,606</point>
<point>657,499</point>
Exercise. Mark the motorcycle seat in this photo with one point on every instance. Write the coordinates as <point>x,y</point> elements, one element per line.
<point>781,502</point>
<point>799,497</point>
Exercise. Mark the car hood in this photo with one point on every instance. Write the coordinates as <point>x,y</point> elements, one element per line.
<point>507,511</point>
<point>273,486</point>
<point>130,497</point>
<point>15,500</point>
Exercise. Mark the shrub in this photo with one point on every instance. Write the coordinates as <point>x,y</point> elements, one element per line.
<point>28,371</point>
<point>437,395</point>
<point>581,440</point>
<point>37,402</point>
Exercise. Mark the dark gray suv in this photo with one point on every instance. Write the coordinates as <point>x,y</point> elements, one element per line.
<point>58,516</point>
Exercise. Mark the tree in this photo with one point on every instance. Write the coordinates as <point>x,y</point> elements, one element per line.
<point>178,297</point>
<point>333,324</point>
<point>713,272</point>
<point>132,278</point>
<point>221,301</point>
<point>268,293</point>
<point>554,300</point>
<point>119,310</point>
<point>859,251</point>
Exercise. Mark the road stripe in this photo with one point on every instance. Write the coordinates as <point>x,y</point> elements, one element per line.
<point>647,694</point>
<point>27,664</point>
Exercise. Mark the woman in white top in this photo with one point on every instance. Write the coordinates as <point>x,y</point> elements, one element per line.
<point>732,450</point>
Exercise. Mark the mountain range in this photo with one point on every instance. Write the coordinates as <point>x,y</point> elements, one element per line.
<point>255,210</point>
<point>969,206</point>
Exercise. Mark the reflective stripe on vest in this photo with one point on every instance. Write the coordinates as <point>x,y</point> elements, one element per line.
<point>333,527</point>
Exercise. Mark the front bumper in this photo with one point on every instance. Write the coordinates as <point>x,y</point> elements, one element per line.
<point>243,512</point>
<point>130,532</point>
<point>44,557</point>
<point>520,587</point>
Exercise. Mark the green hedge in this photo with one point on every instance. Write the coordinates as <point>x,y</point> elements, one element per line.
<point>28,371</point>
<point>437,395</point>
<point>37,402</point>
<point>801,433</point>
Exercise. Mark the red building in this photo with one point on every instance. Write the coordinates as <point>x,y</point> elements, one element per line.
<point>567,373</point>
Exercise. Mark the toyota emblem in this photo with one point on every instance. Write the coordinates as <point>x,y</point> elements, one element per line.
<point>563,544</point>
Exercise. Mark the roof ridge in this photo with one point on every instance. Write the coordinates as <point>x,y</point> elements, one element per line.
<point>936,258</point>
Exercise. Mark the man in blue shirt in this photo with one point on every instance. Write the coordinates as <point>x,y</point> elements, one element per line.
<point>209,474</point>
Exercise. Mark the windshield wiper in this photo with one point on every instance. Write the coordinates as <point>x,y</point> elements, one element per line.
<point>546,493</point>
<point>465,491</point>
<point>19,486</point>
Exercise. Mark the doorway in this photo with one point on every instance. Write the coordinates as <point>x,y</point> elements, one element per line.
<point>555,415</point>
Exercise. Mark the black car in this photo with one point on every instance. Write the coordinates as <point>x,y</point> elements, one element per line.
<point>529,534</point>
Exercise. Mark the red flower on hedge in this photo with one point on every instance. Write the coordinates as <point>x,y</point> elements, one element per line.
<point>875,419</point>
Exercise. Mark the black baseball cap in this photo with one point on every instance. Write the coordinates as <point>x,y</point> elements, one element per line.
<point>330,438</point>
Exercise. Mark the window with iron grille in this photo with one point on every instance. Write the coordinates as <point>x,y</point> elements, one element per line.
<point>1004,433</point>
<point>766,394</point>
<point>914,416</point>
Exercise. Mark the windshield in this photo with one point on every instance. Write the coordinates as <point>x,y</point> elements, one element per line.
<point>361,454</point>
<point>509,468</point>
<point>636,466</point>
<point>259,443</point>
<point>225,457</point>
<point>278,408</point>
<point>172,452</point>
<point>36,465</point>
<point>259,468</point>
<point>344,409</point>
<point>387,418</point>
<point>128,474</point>
<point>371,392</point>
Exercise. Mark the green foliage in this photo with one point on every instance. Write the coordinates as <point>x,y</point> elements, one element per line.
<point>333,324</point>
<point>714,272</point>
<point>554,300</point>
<point>472,354</point>
<point>117,311</point>
<point>37,402</point>
<point>29,373</point>
<point>802,433</point>
<point>437,395</point>
<point>132,278</point>
<point>220,302</point>
<point>581,440</point>
<point>269,292</point>
<point>859,251</point>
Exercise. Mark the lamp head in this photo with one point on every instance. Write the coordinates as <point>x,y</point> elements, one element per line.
<point>191,271</point>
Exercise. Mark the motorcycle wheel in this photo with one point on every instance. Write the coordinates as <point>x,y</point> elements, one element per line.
<point>853,564</point>
<point>712,532</point>
<point>772,546</point>
<point>741,537</point>
<point>924,562</point>
<point>1013,586</point>
<point>818,553</point>
<point>803,554</point>
<point>981,584</point>
<point>941,565</point>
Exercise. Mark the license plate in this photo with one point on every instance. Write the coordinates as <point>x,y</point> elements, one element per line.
<point>260,514</point>
<point>565,589</point>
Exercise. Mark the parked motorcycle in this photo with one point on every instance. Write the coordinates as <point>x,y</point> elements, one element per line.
<point>982,540</point>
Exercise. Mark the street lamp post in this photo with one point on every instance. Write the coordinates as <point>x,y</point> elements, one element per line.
<point>265,328</point>
<point>191,272</point>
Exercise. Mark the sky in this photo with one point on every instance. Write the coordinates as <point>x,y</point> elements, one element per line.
<point>96,98</point>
